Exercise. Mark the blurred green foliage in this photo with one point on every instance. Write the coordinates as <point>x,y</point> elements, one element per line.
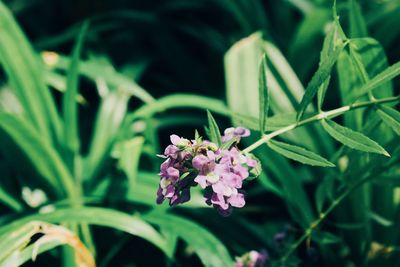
<point>91,91</point>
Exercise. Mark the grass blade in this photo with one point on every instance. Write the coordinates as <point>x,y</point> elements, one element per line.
<point>98,216</point>
<point>70,111</point>
<point>43,157</point>
<point>263,93</point>
<point>23,70</point>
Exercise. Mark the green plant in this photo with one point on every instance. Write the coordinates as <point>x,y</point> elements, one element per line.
<point>345,205</point>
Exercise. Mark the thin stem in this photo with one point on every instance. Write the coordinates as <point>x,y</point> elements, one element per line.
<point>321,217</point>
<point>320,116</point>
<point>333,205</point>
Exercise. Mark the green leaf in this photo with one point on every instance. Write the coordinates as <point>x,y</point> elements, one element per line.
<point>23,70</point>
<point>108,123</point>
<point>70,111</point>
<point>129,156</point>
<point>319,77</point>
<point>43,157</point>
<point>383,77</point>
<point>14,249</point>
<point>365,60</point>
<point>215,135</point>
<point>210,250</point>
<point>358,27</point>
<point>370,59</point>
<point>329,47</point>
<point>133,225</point>
<point>98,69</point>
<point>325,238</point>
<point>352,139</point>
<point>242,62</point>
<point>10,201</point>
<point>390,117</point>
<point>263,93</point>
<point>299,154</point>
<point>380,219</point>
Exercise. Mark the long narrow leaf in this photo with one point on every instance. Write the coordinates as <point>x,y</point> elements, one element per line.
<point>70,111</point>
<point>391,117</point>
<point>23,70</point>
<point>352,139</point>
<point>383,77</point>
<point>318,79</point>
<point>209,249</point>
<point>263,93</point>
<point>299,154</point>
<point>215,134</point>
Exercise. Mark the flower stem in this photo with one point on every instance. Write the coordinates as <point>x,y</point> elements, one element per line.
<point>320,116</point>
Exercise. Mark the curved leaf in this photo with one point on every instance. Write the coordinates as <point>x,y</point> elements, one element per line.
<point>98,216</point>
<point>209,249</point>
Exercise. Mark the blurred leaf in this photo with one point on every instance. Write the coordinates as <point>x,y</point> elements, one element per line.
<point>108,121</point>
<point>263,93</point>
<point>23,70</point>
<point>129,156</point>
<point>307,38</point>
<point>209,249</point>
<point>325,238</point>
<point>215,135</point>
<point>352,139</point>
<point>380,220</point>
<point>299,154</point>
<point>95,69</point>
<point>133,225</point>
<point>358,28</point>
<point>390,117</point>
<point>10,201</point>
<point>70,112</point>
<point>13,244</point>
<point>44,158</point>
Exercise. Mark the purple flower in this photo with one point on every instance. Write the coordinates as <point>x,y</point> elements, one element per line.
<point>253,259</point>
<point>237,133</point>
<point>200,162</point>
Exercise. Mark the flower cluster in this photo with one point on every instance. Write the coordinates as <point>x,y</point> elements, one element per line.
<point>252,259</point>
<point>218,170</point>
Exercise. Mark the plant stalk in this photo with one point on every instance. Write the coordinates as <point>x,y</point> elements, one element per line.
<point>320,116</point>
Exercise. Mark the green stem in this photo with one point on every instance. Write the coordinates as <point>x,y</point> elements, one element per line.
<point>321,217</point>
<point>333,205</point>
<point>320,116</point>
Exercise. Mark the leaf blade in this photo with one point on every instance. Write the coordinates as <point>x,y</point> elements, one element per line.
<point>215,134</point>
<point>299,154</point>
<point>319,77</point>
<point>263,93</point>
<point>390,117</point>
<point>70,111</point>
<point>352,139</point>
